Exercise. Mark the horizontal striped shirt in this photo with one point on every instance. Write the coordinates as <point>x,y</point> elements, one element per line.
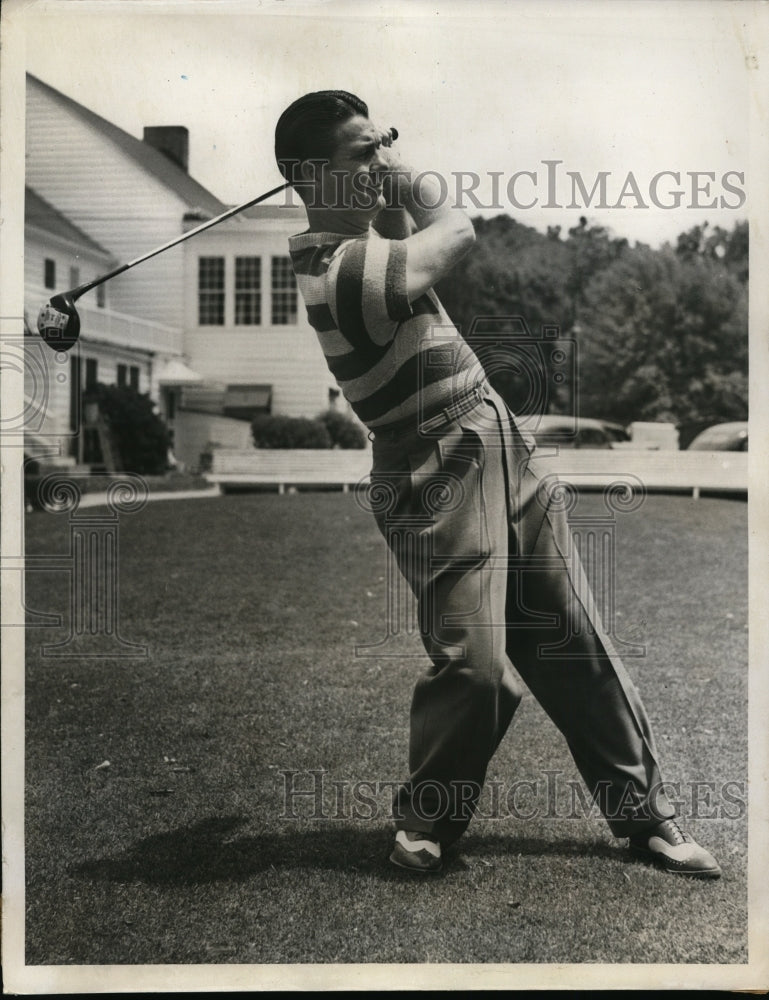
<point>393,360</point>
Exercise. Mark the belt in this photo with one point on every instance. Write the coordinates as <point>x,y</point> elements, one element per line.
<point>406,428</point>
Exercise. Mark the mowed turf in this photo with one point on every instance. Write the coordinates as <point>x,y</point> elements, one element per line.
<point>158,826</point>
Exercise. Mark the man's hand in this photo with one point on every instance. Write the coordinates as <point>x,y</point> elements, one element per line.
<point>438,235</point>
<point>394,222</point>
<point>396,172</point>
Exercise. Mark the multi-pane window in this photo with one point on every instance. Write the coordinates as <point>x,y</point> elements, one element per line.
<point>248,291</point>
<point>122,376</point>
<point>284,302</point>
<point>49,273</point>
<point>211,291</point>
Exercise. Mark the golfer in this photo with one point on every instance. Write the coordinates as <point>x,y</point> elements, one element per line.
<point>458,497</point>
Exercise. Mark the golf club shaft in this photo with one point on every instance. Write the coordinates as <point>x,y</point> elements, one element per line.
<point>82,289</point>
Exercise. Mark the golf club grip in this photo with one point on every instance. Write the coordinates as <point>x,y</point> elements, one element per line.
<point>82,289</point>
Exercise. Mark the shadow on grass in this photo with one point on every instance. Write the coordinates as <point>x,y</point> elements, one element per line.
<point>210,851</point>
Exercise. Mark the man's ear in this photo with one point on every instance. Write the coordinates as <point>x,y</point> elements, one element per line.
<point>310,186</point>
<point>308,171</point>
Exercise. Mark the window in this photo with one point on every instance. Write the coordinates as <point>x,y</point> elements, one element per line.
<point>248,291</point>
<point>101,296</point>
<point>133,377</point>
<point>50,273</point>
<point>91,372</point>
<point>122,376</point>
<point>244,402</point>
<point>211,291</point>
<point>74,277</point>
<point>283,292</point>
<point>592,437</point>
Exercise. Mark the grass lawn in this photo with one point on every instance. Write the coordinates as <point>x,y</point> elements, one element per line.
<point>157,829</point>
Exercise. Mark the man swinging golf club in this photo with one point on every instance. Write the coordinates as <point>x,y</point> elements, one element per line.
<point>490,561</point>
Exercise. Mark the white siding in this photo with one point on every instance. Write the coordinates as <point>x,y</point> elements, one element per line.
<point>48,384</point>
<point>48,373</point>
<point>39,246</point>
<point>287,357</point>
<point>91,181</point>
<point>290,360</point>
<point>107,359</point>
<point>194,433</point>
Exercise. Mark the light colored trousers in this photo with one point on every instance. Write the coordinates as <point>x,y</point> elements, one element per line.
<point>488,553</point>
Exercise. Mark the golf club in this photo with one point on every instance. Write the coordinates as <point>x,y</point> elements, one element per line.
<point>58,322</point>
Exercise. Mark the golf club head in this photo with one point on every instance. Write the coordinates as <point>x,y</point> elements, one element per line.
<point>58,322</point>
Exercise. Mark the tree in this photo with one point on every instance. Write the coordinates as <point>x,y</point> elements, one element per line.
<point>139,436</point>
<point>276,431</point>
<point>664,338</point>
<point>591,249</point>
<point>511,271</point>
<point>663,333</point>
<point>342,430</point>
<point>514,278</point>
<point>719,246</point>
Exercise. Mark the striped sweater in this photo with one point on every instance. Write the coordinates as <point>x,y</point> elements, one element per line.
<point>393,359</point>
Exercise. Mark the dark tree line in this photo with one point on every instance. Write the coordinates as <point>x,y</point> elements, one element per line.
<point>660,334</point>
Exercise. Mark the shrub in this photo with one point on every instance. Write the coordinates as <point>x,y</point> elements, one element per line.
<point>289,432</point>
<point>343,431</point>
<point>139,436</point>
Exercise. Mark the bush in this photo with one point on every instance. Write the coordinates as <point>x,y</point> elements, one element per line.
<point>343,431</point>
<point>139,436</point>
<point>289,432</point>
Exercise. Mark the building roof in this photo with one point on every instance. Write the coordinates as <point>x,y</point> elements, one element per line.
<point>176,373</point>
<point>151,159</point>
<point>38,212</point>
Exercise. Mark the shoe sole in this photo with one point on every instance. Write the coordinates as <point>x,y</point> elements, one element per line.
<point>667,866</point>
<point>416,871</point>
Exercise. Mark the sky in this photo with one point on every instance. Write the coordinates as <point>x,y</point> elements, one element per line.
<point>490,88</point>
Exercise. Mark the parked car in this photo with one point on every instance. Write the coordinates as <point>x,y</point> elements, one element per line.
<point>566,432</point>
<point>653,435</point>
<point>732,436</point>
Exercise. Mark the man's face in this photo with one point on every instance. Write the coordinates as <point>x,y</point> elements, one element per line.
<point>352,179</point>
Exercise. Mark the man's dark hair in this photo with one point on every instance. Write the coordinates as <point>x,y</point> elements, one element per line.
<point>307,127</point>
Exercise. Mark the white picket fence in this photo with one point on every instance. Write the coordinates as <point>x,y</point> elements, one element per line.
<point>584,468</point>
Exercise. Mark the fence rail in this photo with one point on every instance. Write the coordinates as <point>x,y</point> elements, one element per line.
<point>289,467</point>
<point>583,468</point>
<point>112,327</point>
<point>657,470</point>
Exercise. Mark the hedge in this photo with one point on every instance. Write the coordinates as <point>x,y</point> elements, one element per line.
<point>329,430</point>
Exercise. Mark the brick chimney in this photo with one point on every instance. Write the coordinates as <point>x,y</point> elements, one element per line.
<point>172,141</point>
